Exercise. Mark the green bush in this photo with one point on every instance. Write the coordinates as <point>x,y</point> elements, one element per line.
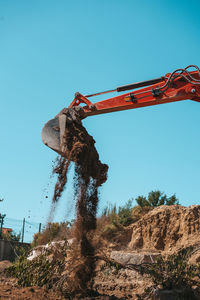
<point>125,213</point>
<point>174,271</point>
<point>114,220</point>
<point>121,216</point>
<point>44,270</point>
<point>109,231</point>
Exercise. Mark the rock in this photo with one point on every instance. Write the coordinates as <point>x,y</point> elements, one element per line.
<point>39,250</point>
<point>133,258</point>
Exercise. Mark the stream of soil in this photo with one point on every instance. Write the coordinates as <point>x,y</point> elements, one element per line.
<point>89,175</point>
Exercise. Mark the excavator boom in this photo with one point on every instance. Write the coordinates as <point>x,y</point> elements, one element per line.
<point>176,86</point>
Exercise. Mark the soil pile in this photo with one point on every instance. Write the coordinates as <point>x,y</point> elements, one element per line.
<point>167,228</point>
<point>90,174</point>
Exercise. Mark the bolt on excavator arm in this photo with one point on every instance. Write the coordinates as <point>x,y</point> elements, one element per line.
<point>176,86</point>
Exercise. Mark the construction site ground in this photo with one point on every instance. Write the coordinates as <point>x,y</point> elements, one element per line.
<point>162,231</point>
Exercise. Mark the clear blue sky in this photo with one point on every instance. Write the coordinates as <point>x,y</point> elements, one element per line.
<point>51,49</point>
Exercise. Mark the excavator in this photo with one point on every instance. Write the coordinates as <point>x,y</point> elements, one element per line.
<point>181,84</point>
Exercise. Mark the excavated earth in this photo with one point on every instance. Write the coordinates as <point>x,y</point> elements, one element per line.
<point>164,230</point>
<point>167,229</point>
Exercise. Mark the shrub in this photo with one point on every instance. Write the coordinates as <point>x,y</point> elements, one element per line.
<point>44,270</point>
<point>110,231</point>
<point>121,216</point>
<point>156,198</point>
<point>174,271</point>
<point>53,231</point>
<point>125,213</point>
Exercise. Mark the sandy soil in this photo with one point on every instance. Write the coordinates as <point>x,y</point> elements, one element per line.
<point>10,290</point>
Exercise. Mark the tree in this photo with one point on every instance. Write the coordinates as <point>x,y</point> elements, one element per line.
<point>125,213</point>
<point>156,198</point>
<point>142,201</point>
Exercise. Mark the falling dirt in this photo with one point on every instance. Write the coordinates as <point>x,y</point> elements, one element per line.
<point>90,174</point>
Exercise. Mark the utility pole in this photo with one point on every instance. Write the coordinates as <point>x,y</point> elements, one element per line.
<point>23,230</point>
<point>2,221</point>
<point>40,227</point>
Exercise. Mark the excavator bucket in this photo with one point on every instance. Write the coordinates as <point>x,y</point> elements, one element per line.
<point>53,131</point>
<point>51,136</point>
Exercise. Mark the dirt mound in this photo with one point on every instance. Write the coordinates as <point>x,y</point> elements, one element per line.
<point>167,228</point>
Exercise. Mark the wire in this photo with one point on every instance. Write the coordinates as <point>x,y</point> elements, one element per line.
<point>172,77</point>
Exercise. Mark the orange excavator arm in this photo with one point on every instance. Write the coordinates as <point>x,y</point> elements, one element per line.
<point>176,86</point>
